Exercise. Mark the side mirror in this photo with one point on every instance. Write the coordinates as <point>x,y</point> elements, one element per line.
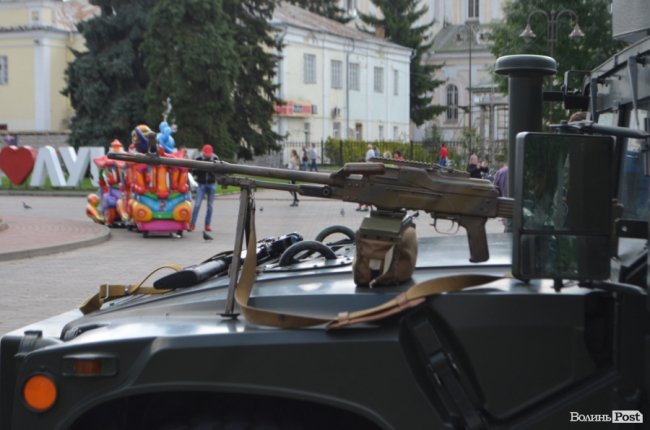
<point>562,224</point>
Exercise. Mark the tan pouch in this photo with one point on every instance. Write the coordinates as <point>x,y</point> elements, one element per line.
<point>386,252</point>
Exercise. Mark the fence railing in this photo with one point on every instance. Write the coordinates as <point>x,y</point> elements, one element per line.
<point>339,152</point>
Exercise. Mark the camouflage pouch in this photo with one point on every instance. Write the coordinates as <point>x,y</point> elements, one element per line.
<point>386,250</point>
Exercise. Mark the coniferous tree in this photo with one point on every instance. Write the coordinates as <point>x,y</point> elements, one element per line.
<point>106,83</point>
<point>255,92</point>
<point>191,58</point>
<point>326,8</point>
<point>398,22</point>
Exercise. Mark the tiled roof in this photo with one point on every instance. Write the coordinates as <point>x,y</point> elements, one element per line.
<point>65,16</point>
<point>298,17</point>
<point>68,13</point>
<point>454,38</point>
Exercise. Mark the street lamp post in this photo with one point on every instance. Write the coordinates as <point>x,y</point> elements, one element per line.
<point>552,19</point>
<point>471,27</point>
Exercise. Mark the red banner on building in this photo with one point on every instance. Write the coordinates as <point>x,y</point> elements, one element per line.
<point>293,108</point>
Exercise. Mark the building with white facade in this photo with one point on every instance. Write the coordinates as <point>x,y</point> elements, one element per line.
<point>339,82</point>
<point>473,103</point>
<point>460,29</point>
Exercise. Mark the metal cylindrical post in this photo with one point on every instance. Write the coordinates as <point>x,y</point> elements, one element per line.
<point>525,78</point>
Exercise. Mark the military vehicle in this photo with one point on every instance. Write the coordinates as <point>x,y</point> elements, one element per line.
<point>552,329</point>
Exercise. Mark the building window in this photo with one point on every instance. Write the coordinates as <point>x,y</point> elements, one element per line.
<point>358,131</point>
<point>379,79</point>
<point>395,83</point>
<point>353,79</point>
<point>395,133</point>
<point>472,8</point>
<point>452,103</point>
<point>336,130</point>
<point>34,17</point>
<point>381,132</point>
<point>309,68</point>
<point>4,73</point>
<point>337,74</point>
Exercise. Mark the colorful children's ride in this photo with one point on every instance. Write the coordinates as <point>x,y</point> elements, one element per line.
<point>149,198</point>
<point>108,205</point>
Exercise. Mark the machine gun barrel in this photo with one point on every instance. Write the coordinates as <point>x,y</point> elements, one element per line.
<point>224,168</point>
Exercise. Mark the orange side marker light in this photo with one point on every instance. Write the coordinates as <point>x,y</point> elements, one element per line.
<point>39,392</point>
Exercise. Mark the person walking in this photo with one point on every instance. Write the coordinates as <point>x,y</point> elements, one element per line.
<point>501,184</point>
<point>304,165</point>
<point>206,188</point>
<point>294,164</point>
<point>313,157</point>
<point>370,153</point>
<point>443,155</point>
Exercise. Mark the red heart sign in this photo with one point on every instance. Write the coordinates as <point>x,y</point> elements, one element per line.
<point>17,162</point>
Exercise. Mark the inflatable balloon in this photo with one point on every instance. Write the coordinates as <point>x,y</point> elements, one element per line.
<point>143,139</point>
<point>165,139</point>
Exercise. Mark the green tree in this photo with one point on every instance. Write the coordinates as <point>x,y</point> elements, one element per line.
<point>191,58</point>
<point>327,8</point>
<point>106,83</point>
<point>257,45</point>
<point>579,54</point>
<point>399,24</point>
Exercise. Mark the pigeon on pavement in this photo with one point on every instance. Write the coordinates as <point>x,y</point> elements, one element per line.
<point>206,236</point>
<point>26,206</point>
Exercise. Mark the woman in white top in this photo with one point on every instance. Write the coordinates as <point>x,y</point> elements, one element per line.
<point>294,164</point>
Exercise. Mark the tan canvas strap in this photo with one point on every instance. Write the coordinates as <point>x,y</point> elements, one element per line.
<point>410,298</point>
<point>108,292</point>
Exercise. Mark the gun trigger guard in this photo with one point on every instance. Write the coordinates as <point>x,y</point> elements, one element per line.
<point>451,231</point>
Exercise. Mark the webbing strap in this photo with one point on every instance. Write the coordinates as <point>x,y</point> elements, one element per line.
<point>108,292</point>
<point>408,299</point>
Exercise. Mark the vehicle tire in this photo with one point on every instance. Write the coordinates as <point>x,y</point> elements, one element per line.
<point>145,234</point>
<point>288,257</point>
<point>334,229</point>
